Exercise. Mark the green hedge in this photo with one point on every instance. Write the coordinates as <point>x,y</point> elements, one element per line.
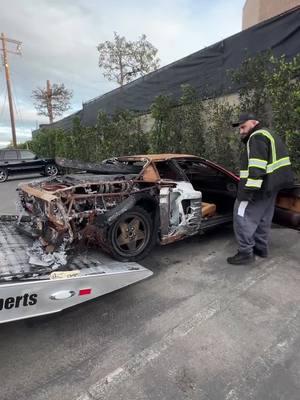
<point>270,87</point>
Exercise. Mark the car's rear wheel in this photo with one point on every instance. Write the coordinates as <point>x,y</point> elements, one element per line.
<point>3,174</point>
<point>132,236</point>
<point>51,170</point>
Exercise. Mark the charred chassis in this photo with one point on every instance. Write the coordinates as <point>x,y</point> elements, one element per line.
<point>130,203</point>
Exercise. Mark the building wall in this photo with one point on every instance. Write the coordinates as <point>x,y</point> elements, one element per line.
<point>255,11</point>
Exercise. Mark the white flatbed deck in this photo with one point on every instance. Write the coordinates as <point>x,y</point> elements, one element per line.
<point>28,290</point>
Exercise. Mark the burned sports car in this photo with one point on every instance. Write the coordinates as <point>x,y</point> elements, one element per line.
<point>127,204</point>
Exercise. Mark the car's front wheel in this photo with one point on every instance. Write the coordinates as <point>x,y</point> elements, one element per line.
<point>51,170</point>
<point>3,174</point>
<point>132,236</point>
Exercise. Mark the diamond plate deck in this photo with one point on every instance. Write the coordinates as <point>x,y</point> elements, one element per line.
<point>14,260</point>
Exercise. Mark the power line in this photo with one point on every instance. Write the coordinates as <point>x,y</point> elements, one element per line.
<point>15,96</point>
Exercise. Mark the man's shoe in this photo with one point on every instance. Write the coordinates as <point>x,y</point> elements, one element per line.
<point>241,259</point>
<point>260,253</point>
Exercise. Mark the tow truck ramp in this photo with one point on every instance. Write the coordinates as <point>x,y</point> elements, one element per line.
<point>28,290</point>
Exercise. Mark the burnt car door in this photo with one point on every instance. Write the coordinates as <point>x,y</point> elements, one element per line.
<point>219,186</point>
<point>216,185</point>
<point>180,203</point>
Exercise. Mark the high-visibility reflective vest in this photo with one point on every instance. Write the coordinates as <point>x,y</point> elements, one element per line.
<point>265,164</point>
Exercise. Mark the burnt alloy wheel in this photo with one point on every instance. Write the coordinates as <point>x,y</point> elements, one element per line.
<point>51,170</point>
<point>131,237</point>
<point>3,174</point>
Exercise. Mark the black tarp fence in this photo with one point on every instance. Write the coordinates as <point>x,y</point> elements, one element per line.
<point>206,70</point>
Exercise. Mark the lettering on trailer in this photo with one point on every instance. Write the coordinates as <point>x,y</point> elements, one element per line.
<point>18,301</point>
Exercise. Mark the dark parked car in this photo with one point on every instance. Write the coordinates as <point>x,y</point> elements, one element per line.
<point>14,161</point>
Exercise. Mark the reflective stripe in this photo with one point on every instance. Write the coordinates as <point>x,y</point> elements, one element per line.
<point>244,174</point>
<point>278,164</point>
<point>257,163</point>
<point>263,164</point>
<point>254,183</point>
<point>270,137</point>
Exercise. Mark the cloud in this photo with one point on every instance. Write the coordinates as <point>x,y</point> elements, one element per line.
<point>60,38</point>
<point>23,134</point>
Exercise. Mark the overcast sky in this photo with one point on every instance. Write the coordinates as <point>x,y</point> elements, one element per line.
<point>59,39</point>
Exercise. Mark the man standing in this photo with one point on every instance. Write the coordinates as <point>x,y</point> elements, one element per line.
<point>265,169</point>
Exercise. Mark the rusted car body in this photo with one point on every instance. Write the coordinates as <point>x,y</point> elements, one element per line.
<point>133,202</point>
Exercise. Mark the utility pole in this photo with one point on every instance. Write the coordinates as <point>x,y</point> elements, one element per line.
<point>5,51</point>
<point>49,102</point>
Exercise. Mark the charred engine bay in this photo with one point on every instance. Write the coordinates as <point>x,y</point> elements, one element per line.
<point>77,209</point>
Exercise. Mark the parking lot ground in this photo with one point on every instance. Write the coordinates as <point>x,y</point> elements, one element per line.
<point>8,194</point>
<point>197,329</point>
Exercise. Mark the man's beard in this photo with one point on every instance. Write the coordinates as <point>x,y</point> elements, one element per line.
<point>245,136</point>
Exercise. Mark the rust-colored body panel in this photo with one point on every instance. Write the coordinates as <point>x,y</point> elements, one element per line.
<point>41,194</point>
<point>157,157</point>
<point>150,174</point>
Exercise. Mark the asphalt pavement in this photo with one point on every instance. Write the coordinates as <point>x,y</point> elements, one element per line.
<point>197,329</point>
<point>8,194</point>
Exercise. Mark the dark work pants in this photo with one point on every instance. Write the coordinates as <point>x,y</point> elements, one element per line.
<point>252,223</point>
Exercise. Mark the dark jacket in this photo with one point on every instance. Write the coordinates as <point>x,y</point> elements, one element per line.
<point>265,166</point>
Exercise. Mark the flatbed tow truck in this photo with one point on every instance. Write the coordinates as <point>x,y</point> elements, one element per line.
<point>29,291</point>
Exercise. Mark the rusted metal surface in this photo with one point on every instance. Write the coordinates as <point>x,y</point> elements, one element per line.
<point>150,174</point>
<point>66,209</point>
<point>157,157</point>
<point>173,238</point>
<point>81,209</point>
<point>33,191</point>
<point>93,236</point>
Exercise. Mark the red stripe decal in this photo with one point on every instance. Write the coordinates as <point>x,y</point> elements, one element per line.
<point>83,292</point>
